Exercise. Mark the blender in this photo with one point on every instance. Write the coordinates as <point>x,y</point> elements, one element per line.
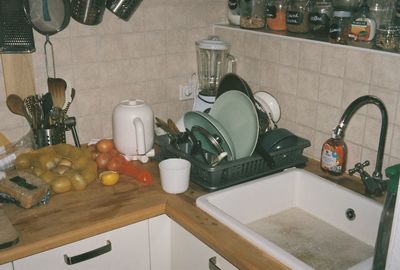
<point>212,63</point>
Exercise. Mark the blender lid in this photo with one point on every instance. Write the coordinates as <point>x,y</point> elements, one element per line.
<point>213,43</point>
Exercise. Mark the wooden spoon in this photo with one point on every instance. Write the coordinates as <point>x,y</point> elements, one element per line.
<point>16,105</point>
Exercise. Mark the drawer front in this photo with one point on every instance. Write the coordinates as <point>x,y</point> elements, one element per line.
<point>123,248</point>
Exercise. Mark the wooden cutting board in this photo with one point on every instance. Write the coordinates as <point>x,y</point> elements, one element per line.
<point>18,74</point>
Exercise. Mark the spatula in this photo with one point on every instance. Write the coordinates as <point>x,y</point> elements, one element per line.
<point>57,88</point>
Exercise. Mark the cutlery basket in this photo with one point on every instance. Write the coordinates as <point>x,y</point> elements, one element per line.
<point>229,173</point>
<point>48,136</point>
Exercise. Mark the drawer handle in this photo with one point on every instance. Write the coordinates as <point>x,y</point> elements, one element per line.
<point>212,264</point>
<point>88,255</point>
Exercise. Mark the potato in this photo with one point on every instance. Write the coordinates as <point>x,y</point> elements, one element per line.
<point>23,161</point>
<point>89,173</point>
<point>48,176</point>
<point>61,184</point>
<point>78,182</point>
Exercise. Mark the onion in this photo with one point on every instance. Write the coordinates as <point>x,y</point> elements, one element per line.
<point>102,160</point>
<point>104,145</point>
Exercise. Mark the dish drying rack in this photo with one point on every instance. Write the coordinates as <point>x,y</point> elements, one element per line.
<point>229,173</point>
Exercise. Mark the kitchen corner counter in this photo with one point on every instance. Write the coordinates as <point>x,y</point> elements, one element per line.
<point>77,215</point>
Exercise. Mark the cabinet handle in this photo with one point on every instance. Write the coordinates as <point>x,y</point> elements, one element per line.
<point>88,255</point>
<point>212,264</point>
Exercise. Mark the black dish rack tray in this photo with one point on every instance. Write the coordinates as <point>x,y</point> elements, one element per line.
<point>229,173</point>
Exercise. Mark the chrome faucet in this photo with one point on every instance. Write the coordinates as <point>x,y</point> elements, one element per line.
<point>374,184</point>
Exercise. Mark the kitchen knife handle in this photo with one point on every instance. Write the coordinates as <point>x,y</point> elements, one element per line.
<point>212,264</point>
<point>88,255</point>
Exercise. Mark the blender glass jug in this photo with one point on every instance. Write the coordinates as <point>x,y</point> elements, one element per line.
<point>212,63</point>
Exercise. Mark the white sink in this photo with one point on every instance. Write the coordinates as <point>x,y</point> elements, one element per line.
<point>300,219</point>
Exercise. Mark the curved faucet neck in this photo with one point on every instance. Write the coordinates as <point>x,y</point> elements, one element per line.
<point>349,112</point>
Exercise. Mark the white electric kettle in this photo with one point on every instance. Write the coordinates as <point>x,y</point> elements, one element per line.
<point>133,129</point>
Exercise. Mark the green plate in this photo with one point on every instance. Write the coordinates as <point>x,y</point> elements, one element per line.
<point>237,114</point>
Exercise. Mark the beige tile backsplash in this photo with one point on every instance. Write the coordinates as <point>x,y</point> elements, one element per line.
<point>314,83</point>
<point>152,54</point>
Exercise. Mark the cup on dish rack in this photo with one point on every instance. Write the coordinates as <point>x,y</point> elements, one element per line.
<point>175,175</point>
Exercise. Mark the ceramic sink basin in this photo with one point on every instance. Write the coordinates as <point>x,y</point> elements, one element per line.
<point>303,220</point>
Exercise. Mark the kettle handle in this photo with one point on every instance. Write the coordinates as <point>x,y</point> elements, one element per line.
<point>139,133</point>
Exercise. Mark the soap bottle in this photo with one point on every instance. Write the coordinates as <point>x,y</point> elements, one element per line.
<point>385,224</point>
<point>334,155</point>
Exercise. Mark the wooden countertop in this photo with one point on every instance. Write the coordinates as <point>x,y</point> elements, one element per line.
<point>80,214</point>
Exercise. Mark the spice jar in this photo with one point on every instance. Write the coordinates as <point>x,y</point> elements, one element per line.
<point>320,17</point>
<point>276,15</point>
<point>297,16</point>
<point>252,14</point>
<point>233,12</point>
<point>340,27</point>
<point>388,37</point>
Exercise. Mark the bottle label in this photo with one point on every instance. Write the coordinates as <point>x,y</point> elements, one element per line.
<point>331,160</point>
<point>362,29</point>
<point>294,17</point>
<point>318,18</point>
<point>271,12</point>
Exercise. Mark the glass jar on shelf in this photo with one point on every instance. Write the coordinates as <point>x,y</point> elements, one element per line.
<point>340,27</point>
<point>234,12</point>
<point>297,16</point>
<point>388,37</point>
<point>320,17</point>
<point>276,14</point>
<point>252,14</point>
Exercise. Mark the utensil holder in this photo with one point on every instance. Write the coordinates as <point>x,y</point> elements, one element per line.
<point>89,12</point>
<point>48,136</point>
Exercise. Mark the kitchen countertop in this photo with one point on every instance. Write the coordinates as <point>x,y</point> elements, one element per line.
<point>75,215</point>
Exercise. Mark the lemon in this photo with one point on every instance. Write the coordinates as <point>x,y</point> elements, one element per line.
<point>109,178</point>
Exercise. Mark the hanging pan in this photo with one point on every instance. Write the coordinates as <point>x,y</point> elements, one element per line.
<point>48,17</point>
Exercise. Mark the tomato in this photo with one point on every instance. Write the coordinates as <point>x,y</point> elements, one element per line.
<point>104,145</point>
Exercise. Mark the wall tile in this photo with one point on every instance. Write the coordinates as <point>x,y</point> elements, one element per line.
<point>84,50</point>
<point>359,66</point>
<point>269,75</point>
<point>385,72</point>
<point>333,60</point>
<point>287,103</point>
<point>354,152</point>
<point>134,45</point>
<point>289,52</point>
<point>327,118</point>
<point>310,56</point>
<point>270,49</point>
<point>306,112</point>
<point>372,134</point>
<point>330,90</point>
<point>287,80</point>
<point>389,98</point>
<point>252,48</point>
<point>353,90</point>
<point>368,154</point>
<point>307,85</point>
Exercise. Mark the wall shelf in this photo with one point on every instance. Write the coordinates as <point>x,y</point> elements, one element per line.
<point>308,36</point>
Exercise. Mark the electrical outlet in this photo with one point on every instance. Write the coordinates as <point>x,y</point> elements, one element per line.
<point>186,92</point>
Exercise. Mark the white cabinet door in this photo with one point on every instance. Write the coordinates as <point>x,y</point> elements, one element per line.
<point>129,250</point>
<point>174,248</point>
<point>6,266</point>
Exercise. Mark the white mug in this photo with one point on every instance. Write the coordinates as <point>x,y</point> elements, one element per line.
<point>175,175</point>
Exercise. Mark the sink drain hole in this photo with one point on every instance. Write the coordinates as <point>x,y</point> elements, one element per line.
<point>350,214</point>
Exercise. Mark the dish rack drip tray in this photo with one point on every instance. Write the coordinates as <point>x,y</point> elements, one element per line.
<point>229,173</point>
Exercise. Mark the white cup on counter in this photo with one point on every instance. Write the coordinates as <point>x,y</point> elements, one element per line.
<point>175,175</point>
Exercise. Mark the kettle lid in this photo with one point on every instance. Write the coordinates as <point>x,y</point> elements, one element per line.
<point>213,43</point>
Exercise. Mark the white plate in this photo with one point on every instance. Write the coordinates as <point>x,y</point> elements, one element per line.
<point>237,114</point>
<point>270,104</point>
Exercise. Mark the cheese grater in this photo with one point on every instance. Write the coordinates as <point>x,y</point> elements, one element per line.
<point>16,35</point>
